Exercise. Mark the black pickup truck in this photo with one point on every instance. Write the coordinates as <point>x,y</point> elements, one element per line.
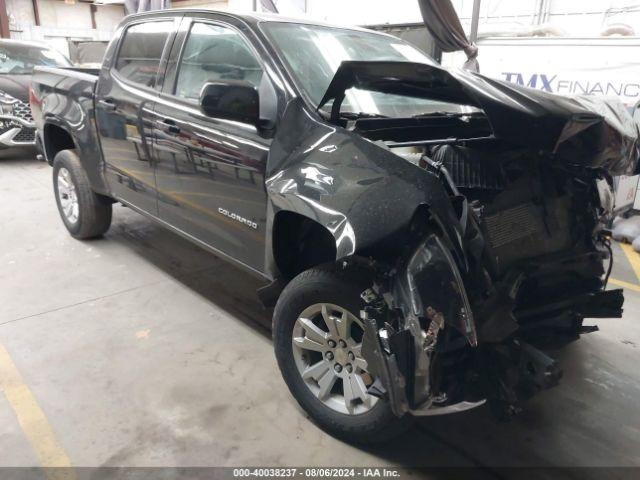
<point>426,233</point>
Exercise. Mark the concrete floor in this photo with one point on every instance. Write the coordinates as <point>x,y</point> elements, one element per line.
<point>143,350</point>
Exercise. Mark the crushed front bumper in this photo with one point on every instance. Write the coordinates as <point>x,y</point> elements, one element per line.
<point>403,322</point>
<point>431,354</point>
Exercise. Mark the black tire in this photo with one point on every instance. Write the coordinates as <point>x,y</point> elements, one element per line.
<point>335,285</point>
<point>94,211</point>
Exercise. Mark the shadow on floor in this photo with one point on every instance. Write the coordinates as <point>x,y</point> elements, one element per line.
<point>216,280</point>
<point>551,432</point>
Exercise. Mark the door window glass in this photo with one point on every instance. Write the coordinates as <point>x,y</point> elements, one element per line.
<point>141,51</point>
<point>212,53</point>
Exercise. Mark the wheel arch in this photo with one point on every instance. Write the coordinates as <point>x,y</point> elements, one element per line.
<point>56,138</point>
<point>300,242</point>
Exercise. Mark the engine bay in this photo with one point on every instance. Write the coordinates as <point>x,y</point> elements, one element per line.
<point>505,255</point>
<point>534,270</point>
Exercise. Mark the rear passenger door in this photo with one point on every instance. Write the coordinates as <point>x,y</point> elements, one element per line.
<point>125,100</point>
<point>210,171</point>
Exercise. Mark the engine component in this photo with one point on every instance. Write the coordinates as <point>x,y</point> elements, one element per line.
<point>468,168</point>
<point>513,224</point>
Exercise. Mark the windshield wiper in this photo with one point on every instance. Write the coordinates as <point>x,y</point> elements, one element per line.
<point>358,115</point>
<point>445,114</point>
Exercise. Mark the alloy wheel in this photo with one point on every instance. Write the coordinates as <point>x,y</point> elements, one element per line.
<point>327,348</point>
<point>68,196</point>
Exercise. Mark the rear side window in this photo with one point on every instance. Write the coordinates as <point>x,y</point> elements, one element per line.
<point>141,51</point>
<point>214,52</point>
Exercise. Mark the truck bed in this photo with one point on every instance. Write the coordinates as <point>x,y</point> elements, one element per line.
<point>64,70</point>
<point>64,97</point>
<point>52,80</point>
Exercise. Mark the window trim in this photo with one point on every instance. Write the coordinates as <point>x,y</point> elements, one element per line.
<point>170,90</point>
<point>168,45</point>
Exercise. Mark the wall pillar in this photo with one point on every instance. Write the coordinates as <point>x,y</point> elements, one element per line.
<point>4,20</point>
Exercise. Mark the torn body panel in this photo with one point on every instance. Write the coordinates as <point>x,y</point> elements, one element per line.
<point>422,345</point>
<point>584,131</point>
<point>483,228</point>
<point>407,313</point>
<point>357,190</point>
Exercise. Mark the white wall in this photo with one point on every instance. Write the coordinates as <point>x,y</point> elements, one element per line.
<point>294,8</point>
<point>56,14</point>
<point>108,17</point>
<point>365,12</point>
<point>348,12</point>
<point>240,5</point>
<point>20,12</point>
<point>213,4</point>
<point>60,22</point>
<point>576,17</point>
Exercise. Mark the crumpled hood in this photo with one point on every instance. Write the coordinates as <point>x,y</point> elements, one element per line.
<point>581,130</point>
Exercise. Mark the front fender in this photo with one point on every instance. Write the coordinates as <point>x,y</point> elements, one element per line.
<point>358,190</point>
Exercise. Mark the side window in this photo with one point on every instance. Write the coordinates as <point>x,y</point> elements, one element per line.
<point>213,53</point>
<point>141,50</point>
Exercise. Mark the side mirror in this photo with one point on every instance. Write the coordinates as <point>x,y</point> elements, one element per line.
<point>236,100</point>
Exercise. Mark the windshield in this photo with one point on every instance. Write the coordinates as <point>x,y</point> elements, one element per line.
<point>21,59</point>
<point>313,54</point>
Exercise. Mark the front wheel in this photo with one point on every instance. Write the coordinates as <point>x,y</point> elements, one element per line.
<point>85,213</point>
<point>318,340</point>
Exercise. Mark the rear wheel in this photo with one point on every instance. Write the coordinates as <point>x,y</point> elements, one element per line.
<point>85,213</point>
<point>318,341</point>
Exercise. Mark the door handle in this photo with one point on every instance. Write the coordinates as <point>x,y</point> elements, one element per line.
<point>107,104</point>
<point>169,126</point>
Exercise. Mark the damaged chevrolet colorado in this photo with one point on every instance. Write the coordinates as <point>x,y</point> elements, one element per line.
<point>428,234</point>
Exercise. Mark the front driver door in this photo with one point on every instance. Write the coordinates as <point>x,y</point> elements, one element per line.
<point>125,100</point>
<point>210,171</point>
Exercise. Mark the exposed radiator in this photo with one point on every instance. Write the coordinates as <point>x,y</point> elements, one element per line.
<point>513,224</point>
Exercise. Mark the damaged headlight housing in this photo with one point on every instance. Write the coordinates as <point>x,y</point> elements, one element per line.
<point>431,281</point>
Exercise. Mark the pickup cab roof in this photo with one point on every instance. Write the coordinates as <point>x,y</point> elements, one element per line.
<point>252,18</point>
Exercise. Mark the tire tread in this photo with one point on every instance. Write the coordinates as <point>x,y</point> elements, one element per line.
<point>378,425</point>
<point>95,211</point>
